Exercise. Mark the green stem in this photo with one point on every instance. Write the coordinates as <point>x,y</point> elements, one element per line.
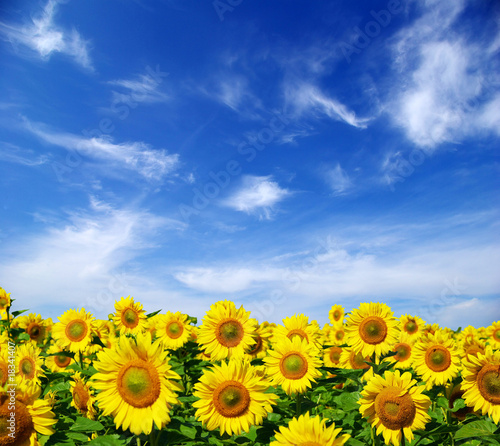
<point>297,405</point>
<point>81,360</point>
<point>402,437</point>
<point>138,441</point>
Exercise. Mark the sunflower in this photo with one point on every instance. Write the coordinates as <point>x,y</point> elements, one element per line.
<point>4,367</point>
<point>473,348</point>
<point>172,329</point>
<point>83,398</point>
<point>481,383</point>
<point>262,337</point>
<point>33,325</point>
<point>134,379</point>
<point>412,325</point>
<point>372,329</point>
<point>311,431</point>
<point>336,314</point>
<point>493,334</point>
<point>403,359</point>
<point>4,300</point>
<point>74,331</point>
<point>436,359</point>
<point>454,393</point>
<point>293,364</point>
<point>469,335</point>
<point>29,366</point>
<point>331,356</point>
<point>226,332</point>
<point>352,360</point>
<point>30,414</point>
<point>430,329</point>
<point>129,318</point>
<point>394,405</point>
<point>58,359</point>
<point>299,326</point>
<point>335,334</point>
<point>232,397</point>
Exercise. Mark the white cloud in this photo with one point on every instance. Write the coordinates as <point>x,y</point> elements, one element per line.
<point>306,98</point>
<point>395,264</point>
<point>444,80</point>
<point>143,88</point>
<point>26,157</point>
<point>45,37</point>
<point>338,180</point>
<point>257,194</point>
<point>82,258</point>
<point>136,156</point>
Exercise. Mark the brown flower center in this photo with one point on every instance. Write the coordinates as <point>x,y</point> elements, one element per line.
<point>231,399</point>
<point>488,382</point>
<point>293,365</point>
<point>81,396</point>
<point>174,329</point>
<point>4,372</point>
<point>373,330</point>
<point>334,354</point>
<point>139,383</point>
<point>229,332</point>
<point>394,411</point>
<point>339,335</point>
<point>258,346</point>
<point>76,330</point>
<point>62,360</point>
<point>410,327</point>
<point>130,318</point>
<point>438,358</point>
<point>337,314</point>
<point>36,331</point>
<point>403,351</point>
<point>358,361</point>
<point>20,426</point>
<point>297,333</point>
<point>27,367</point>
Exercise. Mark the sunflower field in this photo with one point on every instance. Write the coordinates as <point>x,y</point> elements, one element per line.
<point>162,378</point>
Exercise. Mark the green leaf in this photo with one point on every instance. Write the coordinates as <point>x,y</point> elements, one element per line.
<point>85,425</point>
<point>78,436</point>
<point>24,337</point>
<point>154,313</point>
<point>480,428</point>
<point>458,404</point>
<point>18,312</point>
<point>188,431</point>
<point>106,440</point>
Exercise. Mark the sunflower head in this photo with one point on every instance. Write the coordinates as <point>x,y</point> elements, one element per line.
<point>437,358</point>
<point>34,326</point>
<point>481,383</point>
<point>336,314</point>
<point>4,299</point>
<point>129,318</point>
<point>172,329</point>
<point>299,327</point>
<point>232,397</point>
<point>136,384</point>
<point>83,399</point>
<point>493,334</point>
<point>372,329</point>
<point>309,431</point>
<point>74,330</point>
<point>293,364</point>
<point>394,406</point>
<point>226,331</point>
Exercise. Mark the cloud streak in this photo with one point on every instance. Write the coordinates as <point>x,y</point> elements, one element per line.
<point>151,164</point>
<point>44,37</point>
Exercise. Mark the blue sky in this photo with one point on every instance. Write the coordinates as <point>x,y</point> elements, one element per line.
<point>287,155</point>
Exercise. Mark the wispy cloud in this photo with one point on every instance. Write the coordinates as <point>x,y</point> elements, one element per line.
<point>305,98</point>
<point>152,164</point>
<point>338,180</point>
<point>446,83</point>
<point>81,259</point>
<point>387,263</point>
<point>26,157</point>
<point>257,195</point>
<point>44,37</point>
<point>143,88</point>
